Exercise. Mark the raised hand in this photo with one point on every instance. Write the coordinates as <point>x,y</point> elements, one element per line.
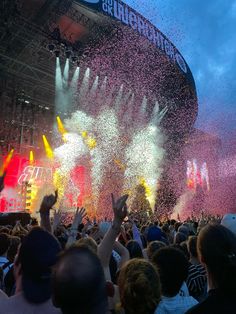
<point>56,219</point>
<point>119,207</point>
<point>80,214</point>
<point>48,202</point>
<point>2,181</point>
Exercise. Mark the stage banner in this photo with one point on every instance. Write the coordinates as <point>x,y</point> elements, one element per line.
<point>121,12</point>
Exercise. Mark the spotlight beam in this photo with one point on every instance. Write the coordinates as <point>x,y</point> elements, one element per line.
<point>47,147</point>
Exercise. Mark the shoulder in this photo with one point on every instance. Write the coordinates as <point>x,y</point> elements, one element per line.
<point>17,304</point>
<point>3,295</point>
<point>197,309</point>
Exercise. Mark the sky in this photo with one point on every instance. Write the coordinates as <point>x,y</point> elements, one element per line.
<point>205,33</point>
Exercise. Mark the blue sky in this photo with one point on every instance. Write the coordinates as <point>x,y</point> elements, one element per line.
<point>205,33</point>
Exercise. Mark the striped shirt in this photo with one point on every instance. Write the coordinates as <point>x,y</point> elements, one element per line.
<point>3,261</point>
<point>197,281</point>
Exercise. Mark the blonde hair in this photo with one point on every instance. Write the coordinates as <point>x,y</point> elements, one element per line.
<point>88,243</point>
<point>139,286</point>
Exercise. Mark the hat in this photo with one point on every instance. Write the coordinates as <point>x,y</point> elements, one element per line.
<point>229,221</point>
<point>37,254</point>
<point>154,234</point>
<point>184,229</point>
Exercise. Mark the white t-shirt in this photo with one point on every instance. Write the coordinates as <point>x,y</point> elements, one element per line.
<point>175,305</point>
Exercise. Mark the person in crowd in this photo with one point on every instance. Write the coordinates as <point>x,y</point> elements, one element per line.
<point>197,280</point>
<point>139,287</point>
<point>32,268</point>
<point>87,242</point>
<point>180,237</point>
<point>78,282</point>
<point>9,280</point>
<point>134,249</point>
<point>229,221</point>
<point>172,267</point>
<point>4,262</point>
<point>217,252</point>
<point>153,247</point>
<point>154,233</point>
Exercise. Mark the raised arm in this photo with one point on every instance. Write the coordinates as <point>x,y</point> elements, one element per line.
<point>80,214</point>
<point>136,234</point>
<point>123,252</point>
<point>106,246</point>
<point>48,202</point>
<point>2,177</point>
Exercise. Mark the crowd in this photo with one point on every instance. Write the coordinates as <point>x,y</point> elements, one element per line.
<point>128,265</point>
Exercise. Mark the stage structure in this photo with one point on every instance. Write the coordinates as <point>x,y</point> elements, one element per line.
<point>113,41</point>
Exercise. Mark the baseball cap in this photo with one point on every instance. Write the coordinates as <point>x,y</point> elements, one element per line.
<point>37,254</point>
<point>229,221</point>
<point>154,234</point>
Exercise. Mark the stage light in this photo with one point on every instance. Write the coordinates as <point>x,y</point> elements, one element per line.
<point>60,126</point>
<point>91,142</point>
<point>66,73</point>
<point>84,134</point>
<point>68,53</point>
<point>6,162</point>
<point>31,157</point>
<point>48,149</point>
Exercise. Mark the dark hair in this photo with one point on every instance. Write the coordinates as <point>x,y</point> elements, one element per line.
<point>165,228</point>
<point>192,246</point>
<point>78,282</point>
<point>134,249</point>
<point>153,247</point>
<point>37,254</point>
<point>4,243</point>
<point>177,225</point>
<point>180,237</point>
<point>217,249</point>
<point>172,266</point>
<point>184,249</point>
<point>139,286</point>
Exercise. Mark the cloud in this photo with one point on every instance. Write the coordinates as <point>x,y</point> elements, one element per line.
<point>204,32</point>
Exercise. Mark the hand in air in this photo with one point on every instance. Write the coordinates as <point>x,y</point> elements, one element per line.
<point>48,202</point>
<point>80,214</point>
<point>119,207</point>
<point>2,181</point>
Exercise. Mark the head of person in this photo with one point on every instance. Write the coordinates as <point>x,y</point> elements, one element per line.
<point>78,282</point>
<point>172,267</point>
<point>217,251</point>
<point>87,242</point>
<point>229,221</point>
<point>134,249</point>
<point>179,238</point>
<point>184,229</point>
<point>192,246</point>
<point>165,228</point>
<point>139,286</point>
<point>154,233</point>
<point>4,243</point>
<point>33,264</point>
<point>184,248</point>
<point>153,247</point>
